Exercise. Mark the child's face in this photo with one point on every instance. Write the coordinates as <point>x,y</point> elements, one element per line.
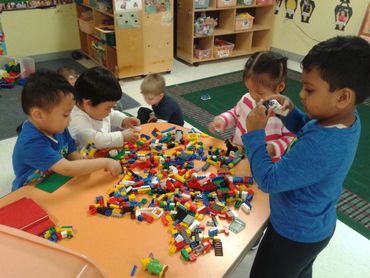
<point>57,119</point>
<point>317,100</point>
<point>153,99</point>
<point>100,111</point>
<point>259,91</point>
<point>72,78</point>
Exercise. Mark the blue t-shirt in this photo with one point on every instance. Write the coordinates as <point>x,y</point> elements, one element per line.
<point>168,110</point>
<point>34,153</point>
<point>306,183</point>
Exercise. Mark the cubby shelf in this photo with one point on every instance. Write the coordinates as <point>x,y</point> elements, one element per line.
<point>246,41</point>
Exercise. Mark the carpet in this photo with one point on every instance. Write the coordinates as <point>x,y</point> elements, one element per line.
<point>10,99</point>
<point>225,90</point>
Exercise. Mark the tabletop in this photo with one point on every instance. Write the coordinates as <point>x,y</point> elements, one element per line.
<point>117,244</point>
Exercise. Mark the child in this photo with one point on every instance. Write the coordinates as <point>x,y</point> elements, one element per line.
<point>69,74</point>
<point>306,183</point>
<point>97,91</point>
<point>45,143</point>
<point>264,75</point>
<point>165,109</point>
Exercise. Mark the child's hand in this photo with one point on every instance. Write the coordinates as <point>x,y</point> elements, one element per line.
<point>257,118</point>
<point>113,166</point>
<point>286,103</point>
<point>218,125</point>
<point>152,118</point>
<point>270,150</point>
<point>130,122</point>
<point>130,135</point>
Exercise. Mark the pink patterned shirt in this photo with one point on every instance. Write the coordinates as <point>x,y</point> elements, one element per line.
<point>276,133</point>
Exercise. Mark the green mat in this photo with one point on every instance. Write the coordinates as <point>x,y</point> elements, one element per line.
<point>52,182</point>
<point>225,90</point>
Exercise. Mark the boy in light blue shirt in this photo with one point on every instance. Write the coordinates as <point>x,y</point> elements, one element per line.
<point>305,185</point>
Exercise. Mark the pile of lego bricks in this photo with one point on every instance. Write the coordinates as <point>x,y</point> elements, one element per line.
<point>180,196</point>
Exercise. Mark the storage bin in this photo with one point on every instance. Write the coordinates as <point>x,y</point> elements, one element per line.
<point>222,48</point>
<point>225,3</point>
<point>201,4</point>
<point>204,26</point>
<point>86,26</point>
<point>202,53</point>
<point>26,64</point>
<point>243,21</point>
<point>106,33</point>
<point>264,2</point>
<point>245,2</point>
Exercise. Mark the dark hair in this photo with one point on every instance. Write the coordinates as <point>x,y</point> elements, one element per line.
<point>343,62</point>
<point>44,89</point>
<point>268,68</point>
<point>98,85</point>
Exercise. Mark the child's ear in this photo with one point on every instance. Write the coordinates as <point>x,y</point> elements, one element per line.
<point>36,114</point>
<point>345,97</point>
<point>280,87</point>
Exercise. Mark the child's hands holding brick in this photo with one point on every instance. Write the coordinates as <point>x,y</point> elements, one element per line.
<point>130,135</point>
<point>285,102</point>
<point>217,125</point>
<point>113,166</point>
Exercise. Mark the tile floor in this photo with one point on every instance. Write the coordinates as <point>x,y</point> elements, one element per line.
<point>348,253</point>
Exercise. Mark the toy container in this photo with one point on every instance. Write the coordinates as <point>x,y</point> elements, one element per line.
<point>243,21</point>
<point>222,48</point>
<point>202,53</point>
<point>204,26</point>
<point>225,3</point>
<point>245,2</point>
<point>107,34</point>
<point>27,65</point>
<point>86,26</point>
<point>201,4</point>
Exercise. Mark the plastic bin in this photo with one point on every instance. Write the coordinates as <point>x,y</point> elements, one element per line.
<point>106,33</point>
<point>201,4</point>
<point>245,2</point>
<point>222,48</point>
<point>86,26</point>
<point>243,22</point>
<point>225,3</point>
<point>202,53</point>
<point>27,64</point>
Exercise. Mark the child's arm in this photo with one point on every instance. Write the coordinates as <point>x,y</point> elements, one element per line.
<point>276,147</point>
<point>86,166</point>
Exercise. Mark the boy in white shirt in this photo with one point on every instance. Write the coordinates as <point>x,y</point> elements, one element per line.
<point>97,91</point>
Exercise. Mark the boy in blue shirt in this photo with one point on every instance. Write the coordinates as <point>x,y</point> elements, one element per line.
<point>306,183</point>
<point>44,144</point>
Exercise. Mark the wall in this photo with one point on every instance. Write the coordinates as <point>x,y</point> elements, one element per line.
<point>289,35</point>
<point>34,32</point>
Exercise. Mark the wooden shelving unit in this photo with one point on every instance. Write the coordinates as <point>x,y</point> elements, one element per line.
<point>137,51</point>
<point>248,41</point>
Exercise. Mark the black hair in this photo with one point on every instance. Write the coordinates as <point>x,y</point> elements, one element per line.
<point>44,89</point>
<point>97,85</point>
<point>343,62</point>
<point>269,63</point>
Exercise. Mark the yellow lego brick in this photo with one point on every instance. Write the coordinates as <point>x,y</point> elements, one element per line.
<point>188,249</point>
<point>131,197</point>
<point>172,249</point>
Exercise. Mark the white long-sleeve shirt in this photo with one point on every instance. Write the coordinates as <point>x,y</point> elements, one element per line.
<point>83,129</point>
<point>276,133</point>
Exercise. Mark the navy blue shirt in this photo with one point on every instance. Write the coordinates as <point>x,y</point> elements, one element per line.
<point>306,183</point>
<point>169,111</point>
<point>34,153</point>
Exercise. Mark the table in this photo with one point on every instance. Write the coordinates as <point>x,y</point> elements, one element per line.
<point>117,244</point>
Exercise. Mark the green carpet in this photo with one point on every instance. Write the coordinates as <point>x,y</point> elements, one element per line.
<point>225,90</point>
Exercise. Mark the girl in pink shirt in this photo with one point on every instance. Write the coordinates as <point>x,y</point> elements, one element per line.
<point>264,75</point>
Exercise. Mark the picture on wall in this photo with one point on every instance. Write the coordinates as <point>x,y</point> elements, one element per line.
<point>290,8</point>
<point>343,13</point>
<point>278,5</point>
<point>307,8</point>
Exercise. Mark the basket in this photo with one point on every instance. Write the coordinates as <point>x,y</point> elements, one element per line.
<point>204,26</point>
<point>225,3</point>
<point>243,22</point>
<point>26,64</point>
<point>202,53</point>
<point>86,26</point>
<point>201,4</point>
<point>222,48</point>
<point>106,33</point>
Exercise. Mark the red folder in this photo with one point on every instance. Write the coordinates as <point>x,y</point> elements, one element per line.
<point>25,214</point>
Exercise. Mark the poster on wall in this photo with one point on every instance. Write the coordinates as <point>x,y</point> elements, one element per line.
<point>343,13</point>
<point>11,5</point>
<point>307,7</point>
<point>278,5</point>
<point>157,6</point>
<point>2,41</point>
<point>290,8</point>
<point>127,5</point>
